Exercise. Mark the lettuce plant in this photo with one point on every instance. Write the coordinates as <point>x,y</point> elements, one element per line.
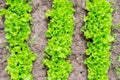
<point>17,29</point>
<point>59,34</point>
<point>97,31</point>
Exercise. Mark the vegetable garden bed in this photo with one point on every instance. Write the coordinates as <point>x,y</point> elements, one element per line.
<point>38,41</point>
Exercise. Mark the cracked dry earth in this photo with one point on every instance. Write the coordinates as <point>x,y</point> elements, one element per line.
<point>38,41</point>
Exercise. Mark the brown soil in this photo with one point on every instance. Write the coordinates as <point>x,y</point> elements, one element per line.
<point>79,44</point>
<point>38,42</point>
<point>3,51</point>
<point>116,44</point>
<point>39,29</point>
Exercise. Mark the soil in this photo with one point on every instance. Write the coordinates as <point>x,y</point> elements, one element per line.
<point>79,44</point>
<point>39,29</point>
<point>38,41</point>
<point>116,45</point>
<point>3,51</point>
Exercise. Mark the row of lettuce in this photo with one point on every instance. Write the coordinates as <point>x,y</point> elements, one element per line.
<point>97,31</point>
<point>59,34</point>
<point>17,29</point>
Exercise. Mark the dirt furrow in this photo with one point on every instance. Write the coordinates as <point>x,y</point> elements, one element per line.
<point>79,44</point>
<point>3,51</point>
<point>116,45</point>
<point>38,40</point>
